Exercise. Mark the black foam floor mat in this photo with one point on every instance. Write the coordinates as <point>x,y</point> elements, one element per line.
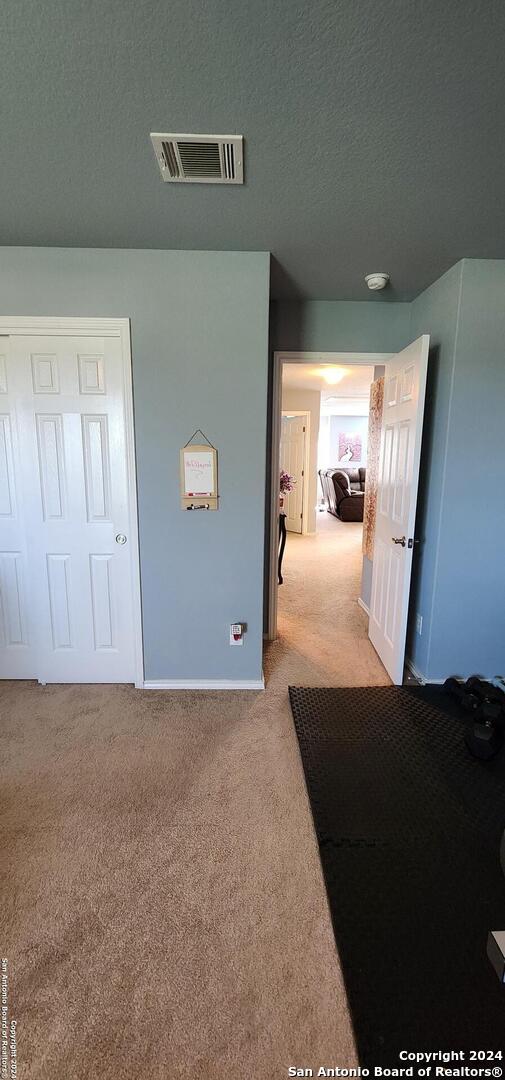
<point>409,828</point>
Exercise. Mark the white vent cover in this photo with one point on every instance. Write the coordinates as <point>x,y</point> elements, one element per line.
<point>199,159</point>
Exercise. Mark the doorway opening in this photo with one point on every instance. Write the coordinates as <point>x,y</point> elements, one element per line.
<point>344,490</point>
<point>323,440</point>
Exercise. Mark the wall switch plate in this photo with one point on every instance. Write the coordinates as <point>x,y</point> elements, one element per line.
<point>237,630</point>
<point>419,624</point>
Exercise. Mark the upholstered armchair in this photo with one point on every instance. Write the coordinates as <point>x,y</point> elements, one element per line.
<point>344,491</point>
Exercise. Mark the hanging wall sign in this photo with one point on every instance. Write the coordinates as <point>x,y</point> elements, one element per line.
<point>199,476</point>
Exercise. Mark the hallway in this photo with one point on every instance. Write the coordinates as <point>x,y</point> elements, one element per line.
<point>319,620</point>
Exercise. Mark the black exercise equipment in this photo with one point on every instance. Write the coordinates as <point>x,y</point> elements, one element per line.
<point>468,700</point>
<point>483,738</point>
<point>485,690</point>
<point>486,704</point>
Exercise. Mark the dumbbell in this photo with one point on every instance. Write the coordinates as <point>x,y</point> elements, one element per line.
<point>468,700</point>
<point>482,735</point>
<point>488,712</point>
<point>485,691</point>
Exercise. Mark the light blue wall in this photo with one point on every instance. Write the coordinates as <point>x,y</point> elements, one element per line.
<point>471,573</point>
<point>460,585</point>
<point>435,312</point>
<point>340,325</point>
<point>199,323</point>
<point>199,337</point>
<point>366,580</point>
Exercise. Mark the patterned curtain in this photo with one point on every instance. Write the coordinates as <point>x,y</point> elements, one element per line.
<point>372,465</point>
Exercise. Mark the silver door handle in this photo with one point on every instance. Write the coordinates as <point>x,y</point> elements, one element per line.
<point>398,540</point>
<point>121,538</point>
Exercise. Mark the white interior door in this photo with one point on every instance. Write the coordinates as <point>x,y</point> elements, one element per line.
<point>293,433</point>
<point>73,547</point>
<point>402,422</point>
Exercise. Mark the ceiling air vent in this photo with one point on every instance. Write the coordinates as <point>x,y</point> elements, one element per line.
<point>199,159</point>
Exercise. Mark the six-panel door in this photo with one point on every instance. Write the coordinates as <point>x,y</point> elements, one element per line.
<point>401,432</point>
<point>70,471</point>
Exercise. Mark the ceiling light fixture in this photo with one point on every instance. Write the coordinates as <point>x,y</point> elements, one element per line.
<point>376,281</point>
<point>331,375</point>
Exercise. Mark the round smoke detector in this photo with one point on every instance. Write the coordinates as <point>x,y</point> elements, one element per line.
<point>376,281</point>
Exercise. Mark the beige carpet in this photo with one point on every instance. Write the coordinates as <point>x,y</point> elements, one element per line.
<point>320,622</point>
<point>162,905</point>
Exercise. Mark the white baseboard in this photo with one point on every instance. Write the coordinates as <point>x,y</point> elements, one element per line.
<point>204,684</point>
<point>364,606</point>
<point>420,677</point>
<point>417,674</point>
<point>497,680</point>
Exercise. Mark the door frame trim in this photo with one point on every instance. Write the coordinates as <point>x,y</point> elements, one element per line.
<point>281,357</point>
<point>38,325</point>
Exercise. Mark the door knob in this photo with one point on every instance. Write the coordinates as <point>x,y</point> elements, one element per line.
<point>121,538</point>
<point>398,540</point>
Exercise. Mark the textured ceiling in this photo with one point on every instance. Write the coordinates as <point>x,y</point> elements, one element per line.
<point>374,131</point>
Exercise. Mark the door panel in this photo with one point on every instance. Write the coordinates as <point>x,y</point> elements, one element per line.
<point>95,441</point>
<point>396,503</point>
<point>51,465</point>
<point>72,464</point>
<point>7,486</point>
<point>17,660</point>
<point>102,593</point>
<point>13,598</point>
<point>3,369</point>
<point>60,604</point>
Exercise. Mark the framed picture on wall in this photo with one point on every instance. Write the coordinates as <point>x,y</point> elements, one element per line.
<point>349,448</point>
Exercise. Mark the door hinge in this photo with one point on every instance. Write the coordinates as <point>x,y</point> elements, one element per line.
<point>303,473</point>
<point>304,429</point>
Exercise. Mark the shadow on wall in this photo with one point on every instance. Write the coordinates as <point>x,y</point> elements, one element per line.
<point>281,284</point>
<point>423,491</point>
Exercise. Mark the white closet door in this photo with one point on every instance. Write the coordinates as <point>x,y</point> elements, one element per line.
<point>69,397</point>
<point>17,659</point>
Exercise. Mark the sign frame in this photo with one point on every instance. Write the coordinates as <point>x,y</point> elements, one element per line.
<point>198,500</point>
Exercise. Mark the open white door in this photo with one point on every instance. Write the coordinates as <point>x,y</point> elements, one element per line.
<point>400,452</point>
<point>293,433</point>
